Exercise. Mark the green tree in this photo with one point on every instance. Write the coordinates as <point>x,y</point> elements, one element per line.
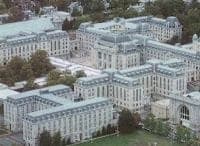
<point>92,6</point>
<point>125,122</point>
<point>109,129</point>
<point>1,109</point>
<point>69,141</point>
<point>15,14</point>
<point>56,139</point>
<point>68,80</point>
<point>26,72</point>
<point>104,131</point>
<point>76,12</point>
<point>53,77</point>
<point>149,123</point>
<point>40,63</point>
<point>45,139</point>
<point>30,85</point>
<point>136,120</point>
<point>183,134</point>
<point>14,67</point>
<point>63,143</point>
<point>6,76</point>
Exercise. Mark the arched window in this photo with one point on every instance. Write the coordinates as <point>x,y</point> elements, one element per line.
<point>184,113</point>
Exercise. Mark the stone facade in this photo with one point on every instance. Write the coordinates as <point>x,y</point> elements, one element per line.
<point>54,109</point>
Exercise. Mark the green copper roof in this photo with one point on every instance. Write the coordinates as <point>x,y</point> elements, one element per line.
<point>30,26</point>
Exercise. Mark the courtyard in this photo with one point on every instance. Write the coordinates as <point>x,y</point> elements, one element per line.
<point>138,138</point>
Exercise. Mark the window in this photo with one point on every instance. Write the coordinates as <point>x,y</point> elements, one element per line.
<point>184,113</point>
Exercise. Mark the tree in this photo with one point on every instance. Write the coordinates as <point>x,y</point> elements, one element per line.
<point>68,80</point>
<point>136,120</point>
<point>53,77</point>
<point>69,141</point>
<point>124,4</point>
<point>76,13</point>
<point>92,6</point>
<point>14,67</point>
<point>68,25</point>
<point>60,4</point>
<point>183,134</point>
<point>149,122</point>
<point>56,139</point>
<point>30,85</point>
<point>40,63</point>
<point>98,134</point>
<point>125,122</point>
<point>6,76</point>
<point>1,109</point>
<point>45,139</point>
<point>15,14</point>
<point>63,143</point>
<point>26,72</point>
<point>109,129</point>
<point>104,131</point>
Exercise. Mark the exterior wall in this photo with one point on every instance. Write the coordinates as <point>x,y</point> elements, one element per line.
<point>160,29</point>
<point>14,113</point>
<point>193,66</point>
<point>160,111</point>
<point>77,124</point>
<point>123,96</point>
<point>16,109</point>
<point>107,58</point>
<point>151,78</point>
<point>193,106</point>
<point>55,43</point>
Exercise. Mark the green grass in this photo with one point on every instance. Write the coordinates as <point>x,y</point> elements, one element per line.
<point>138,138</point>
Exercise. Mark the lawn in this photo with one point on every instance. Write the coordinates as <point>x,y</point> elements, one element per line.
<point>138,138</point>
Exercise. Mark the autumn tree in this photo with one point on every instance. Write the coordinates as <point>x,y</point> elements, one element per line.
<point>40,63</point>
<point>15,14</point>
<point>53,77</point>
<point>125,122</point>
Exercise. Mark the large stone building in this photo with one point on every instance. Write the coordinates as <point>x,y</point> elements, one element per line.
<point>53,109</point>
<point>24,38</point>
<point>121,44</point>
<point>159,29</point>
<point>132,88</point>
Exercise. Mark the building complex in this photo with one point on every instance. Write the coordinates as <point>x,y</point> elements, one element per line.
<point>122,44</point>
<point>53,109</point>
<point>132,88</point>
<point>24,38</point>
<point>137,67</point>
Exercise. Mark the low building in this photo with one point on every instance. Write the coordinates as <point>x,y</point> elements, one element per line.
<point>160,109</point>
